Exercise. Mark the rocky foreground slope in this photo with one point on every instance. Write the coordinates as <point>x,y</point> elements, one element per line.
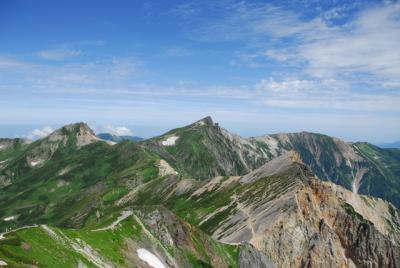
<point>289,216</point>
<point>197,196</point>
<point>299,221</point>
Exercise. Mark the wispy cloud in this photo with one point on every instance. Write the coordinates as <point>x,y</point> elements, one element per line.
<point>58,54</point>
<point>86,76</point>
<point>239,20</point>
<point>330,60</point>
<point>365,45</point>
<point>114,79</point>
<point>39,133</point>
<point>368,45</point>
<point>288,93</point>
<point>124,67</point>
<point>8,62</point>
<point>325,94</point>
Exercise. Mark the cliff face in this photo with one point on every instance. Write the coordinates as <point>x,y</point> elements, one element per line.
<point>296,220</point>
<point>338,234</point>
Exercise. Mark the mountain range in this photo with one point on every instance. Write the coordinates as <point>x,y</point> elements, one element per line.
<point>395,144</point>
<point>198,196</point>
<point>116,138</point>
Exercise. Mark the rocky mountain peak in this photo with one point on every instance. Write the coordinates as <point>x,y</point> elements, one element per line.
<point>82,132</point>
<point>79,128</point>
<point>205,121</point>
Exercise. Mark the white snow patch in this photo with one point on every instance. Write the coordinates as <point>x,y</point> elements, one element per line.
<point>124,215</point>
<point>35,163</point>
<point>2,146</point>
<point>170,141</point>
<point>3,263</point>
<point>151,259</point>
<point>9,218</point>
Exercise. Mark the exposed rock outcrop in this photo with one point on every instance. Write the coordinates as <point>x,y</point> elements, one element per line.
<point>297,220</point>
<point>249,257</point>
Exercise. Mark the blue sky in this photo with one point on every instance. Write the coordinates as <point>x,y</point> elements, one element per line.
<point>257,67</point>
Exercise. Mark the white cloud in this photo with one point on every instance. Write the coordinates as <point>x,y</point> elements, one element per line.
<point>322,94</point>
<point>70,77</point>
<point>58,54</point>
<point>328,59</point>
<point>367,44</point>
<point>350,66</point>
<point>244,21</point>
<point>279,55</point>
<point>39,133</point>
<point>7,62</point>
<point>118,130</point>
<point>124,67</point>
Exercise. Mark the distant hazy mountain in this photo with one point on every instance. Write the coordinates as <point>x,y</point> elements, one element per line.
<point>395,144</point>
<point>115,138</point>
<point>198,196</point>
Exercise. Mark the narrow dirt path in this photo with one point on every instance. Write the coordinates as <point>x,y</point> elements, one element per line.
<point>17,229</point>
<point>123,216</point>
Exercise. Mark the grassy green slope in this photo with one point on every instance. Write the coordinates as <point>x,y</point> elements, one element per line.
<point>383,178</point>
<point>201,151</point>
<point>11,148</point>
<point>73,183</point>
<point>59,247</point>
